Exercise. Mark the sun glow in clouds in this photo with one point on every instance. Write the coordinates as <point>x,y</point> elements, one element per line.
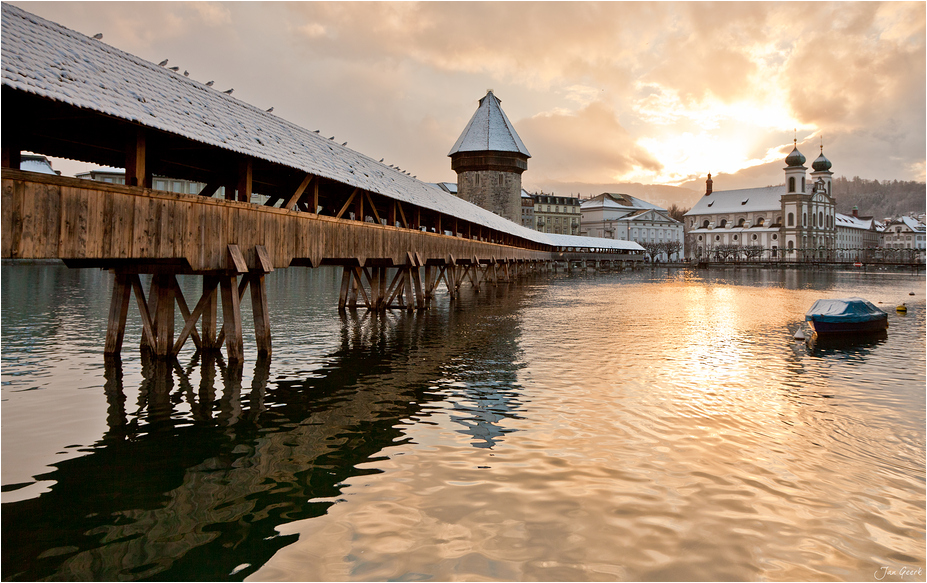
<point>691,139</point>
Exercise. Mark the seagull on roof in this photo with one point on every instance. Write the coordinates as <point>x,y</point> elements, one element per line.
<point>229,92</point>
<point>175,69</point>
<point>186,73</point>
<point>316,131</point>
<point>381,159</point>
<point>209,83</point>
<point>344,144</point>
<point>332,138</point>
<point>162,63</point>
<point>270,110</point>
<point>98,35</point>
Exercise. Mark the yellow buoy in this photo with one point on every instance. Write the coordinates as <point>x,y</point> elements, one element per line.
<point>902,309</point>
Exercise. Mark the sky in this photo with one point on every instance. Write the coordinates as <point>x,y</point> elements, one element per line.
<point>614,96</point>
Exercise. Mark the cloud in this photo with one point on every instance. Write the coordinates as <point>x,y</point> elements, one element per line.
<point>589,145</point>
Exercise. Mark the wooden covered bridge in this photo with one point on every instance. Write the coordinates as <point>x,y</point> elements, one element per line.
<point>70,96</point>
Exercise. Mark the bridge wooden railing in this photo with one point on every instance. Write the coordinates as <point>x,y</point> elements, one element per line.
<point>134,230</point>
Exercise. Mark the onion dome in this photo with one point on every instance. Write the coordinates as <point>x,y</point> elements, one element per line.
<point>795,158</point>
<point>821,164</point>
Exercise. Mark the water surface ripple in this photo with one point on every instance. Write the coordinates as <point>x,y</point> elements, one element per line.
<point>649,425</point>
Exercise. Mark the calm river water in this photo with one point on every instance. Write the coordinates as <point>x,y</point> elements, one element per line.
<point>649,425</point>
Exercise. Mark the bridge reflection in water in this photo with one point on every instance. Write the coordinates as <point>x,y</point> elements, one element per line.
<point>171,494</point>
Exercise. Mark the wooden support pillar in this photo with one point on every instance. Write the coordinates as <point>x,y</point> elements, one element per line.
<point>136,151</point>
<point>118,310</point>
<point>261,315</point>
<point>244,179</point>
<point>429,282</point>
<point>231,315</point>
<point>417,283</point>
<point>346,278</point>
<point>11,157</point>
<point>208,324</point>
<point>164,315</point>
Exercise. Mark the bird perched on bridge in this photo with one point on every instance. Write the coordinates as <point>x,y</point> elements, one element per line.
<point>316,131</point>
<point>209,83</point>
<point>229,92</point>
<point>381,159</point>
<point>270,110</point>
<point>162,63</point>
<point>332,138</point>
<point>344,144</point>
<point>175,69</point>
<point>98,35</point>
<point>186,73</point>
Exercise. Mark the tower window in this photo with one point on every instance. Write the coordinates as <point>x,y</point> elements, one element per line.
<point>791,219</point>
<point>791,184</point>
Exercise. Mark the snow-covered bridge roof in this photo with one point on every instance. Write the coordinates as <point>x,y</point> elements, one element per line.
<point>48,60</point>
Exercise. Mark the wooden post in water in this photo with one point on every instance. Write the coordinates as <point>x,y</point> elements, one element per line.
<point>118,310</point>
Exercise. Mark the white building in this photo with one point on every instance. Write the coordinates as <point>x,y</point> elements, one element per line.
<point>627,218</point>
<point>793,221</point>
<point>857,237</point>
<point>906,233</point>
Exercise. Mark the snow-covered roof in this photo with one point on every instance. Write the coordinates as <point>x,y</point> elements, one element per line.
<point>489,130</point>
<point>909,222</point>
<point>850,222</point>
<point>745,200</point>
<point>34,163</point>
<point>48,60</point>
<point>592,242</point>
<point>619,201</point>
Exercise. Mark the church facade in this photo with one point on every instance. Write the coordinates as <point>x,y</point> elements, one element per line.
<point>794,221</point>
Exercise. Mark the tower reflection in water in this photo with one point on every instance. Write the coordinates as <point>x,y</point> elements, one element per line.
<point>191,481</point>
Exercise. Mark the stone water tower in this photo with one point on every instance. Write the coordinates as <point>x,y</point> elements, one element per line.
<point>489,158</point>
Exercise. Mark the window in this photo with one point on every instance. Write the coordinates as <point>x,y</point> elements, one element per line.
<point>791,219</point>
<point>760,221</point>
<point>791,184</point>
<point>803,184</point>
<point>814,220</point>
<point>705,224</point>
<point>723,223</point>
<point>740,223</point>
<point>804,219</point>
<point>735,237</point>
<point>821,219</point>
<point>775,236</point>
<point>754,236</point>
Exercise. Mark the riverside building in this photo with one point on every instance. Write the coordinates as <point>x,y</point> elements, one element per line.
<point>628,218</point>
<point>794,221</point>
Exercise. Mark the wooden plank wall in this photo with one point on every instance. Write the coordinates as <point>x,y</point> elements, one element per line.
<point>53,217</point>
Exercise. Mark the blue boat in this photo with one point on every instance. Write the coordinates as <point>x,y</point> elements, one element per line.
<point>846,316</point>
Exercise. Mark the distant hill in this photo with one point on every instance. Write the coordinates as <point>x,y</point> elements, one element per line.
<point>879,199</point>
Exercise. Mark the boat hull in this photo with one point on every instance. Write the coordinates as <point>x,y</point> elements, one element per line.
<point>874,325</point>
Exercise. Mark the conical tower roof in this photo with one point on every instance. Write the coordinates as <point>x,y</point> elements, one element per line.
<point>489,130</point>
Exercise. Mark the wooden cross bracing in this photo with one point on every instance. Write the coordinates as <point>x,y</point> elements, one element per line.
<point>157,311</point>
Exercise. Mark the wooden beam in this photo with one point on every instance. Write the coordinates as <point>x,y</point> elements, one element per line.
<point>147,328</point>
<point>245,175</point>
<point>136,155</point>
<point>261,315</point>
<point>347,203</point>
<point>210,189</point>
<point>231,316</point>
<point>373,207</point>
<point>290,203</point>
<point>118,310</point>
<point>402,215</point>
<point>185,312</point>
<point>11,157</point>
